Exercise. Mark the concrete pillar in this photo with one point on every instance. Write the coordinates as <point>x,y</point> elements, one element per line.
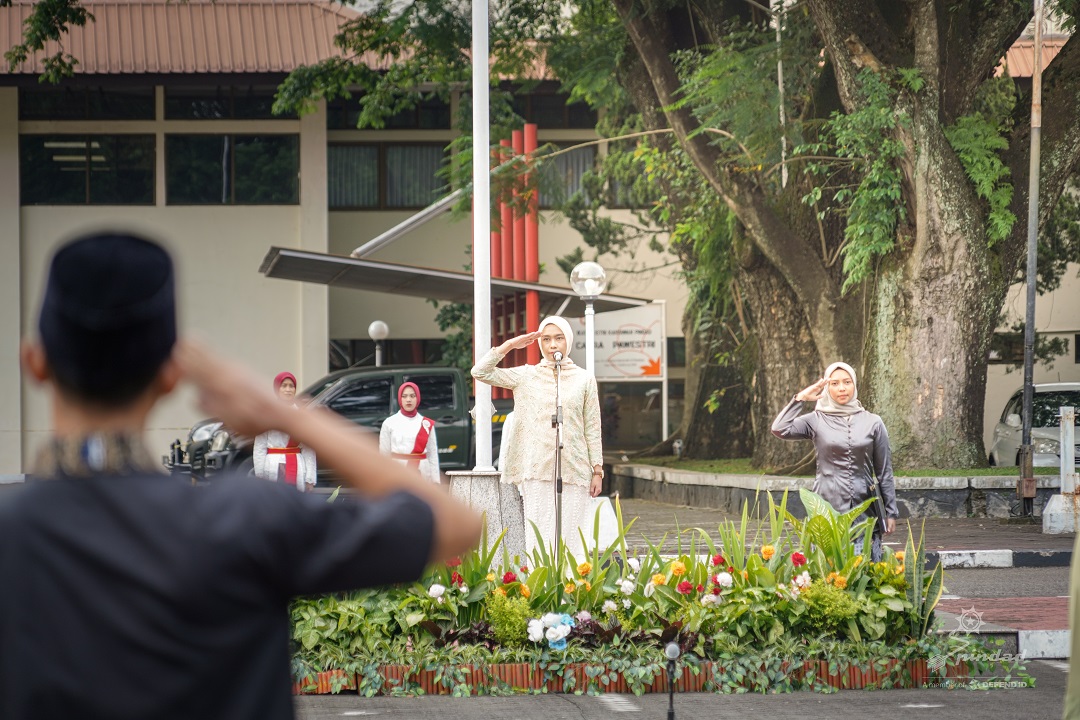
<point>314,236</point>
<point>11,299</point>
<point>501,505</point>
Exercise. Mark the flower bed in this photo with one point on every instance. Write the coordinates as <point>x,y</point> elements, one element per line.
<point>782,605</point>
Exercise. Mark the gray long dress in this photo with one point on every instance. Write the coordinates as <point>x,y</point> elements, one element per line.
<point>851,451</point>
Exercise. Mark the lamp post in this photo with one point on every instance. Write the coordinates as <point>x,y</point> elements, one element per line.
<point>589,281</point>
<point>378,331</point>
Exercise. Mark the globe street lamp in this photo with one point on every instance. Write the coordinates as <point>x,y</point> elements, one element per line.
<point>378,331</point>
<point>589,281</point>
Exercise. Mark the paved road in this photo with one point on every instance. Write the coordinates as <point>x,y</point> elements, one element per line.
<point>1043,702</point>
<point>1008,582</point>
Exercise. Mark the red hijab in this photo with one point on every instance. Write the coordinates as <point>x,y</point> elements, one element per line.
<point>282,377</point>
<point>415,390</point>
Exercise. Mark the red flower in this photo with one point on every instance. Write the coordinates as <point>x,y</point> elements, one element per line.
<point>717,560</point>
<point>509,577</point>
<point>454,562</point>
<point>455,578</point>
<point>798,559</point>
<point>730,569</point>
<point>700,588</point>
<point>685,587</point>
<point>525,569</point>
<point>716,590</point>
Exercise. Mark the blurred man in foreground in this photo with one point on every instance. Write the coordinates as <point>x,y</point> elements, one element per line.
<point>130,594</point>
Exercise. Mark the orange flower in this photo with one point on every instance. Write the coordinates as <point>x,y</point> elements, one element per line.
<point>570,587</point>
<point>900,570</point>
<point>767,551</point>
<point>525,591</point>
<point>840,582</point>
<point>500,591</point>
<point>584,569</point>
<point>745,575</point>
<point>899,555</point>
<point>858,560</point>
<point>588,586</point>
<point>490,577</point>
<point>658,579</point>
<point>830,578</point>
<point>678,569</point>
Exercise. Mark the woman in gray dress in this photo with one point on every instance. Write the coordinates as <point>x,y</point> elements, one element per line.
<point>852,446</point>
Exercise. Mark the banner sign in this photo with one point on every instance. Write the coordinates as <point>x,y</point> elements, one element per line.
<point>629,343</point>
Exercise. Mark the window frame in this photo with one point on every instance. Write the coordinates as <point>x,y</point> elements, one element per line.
<point>232,166</point>
<point>382,173</point>
<point>87,138</point>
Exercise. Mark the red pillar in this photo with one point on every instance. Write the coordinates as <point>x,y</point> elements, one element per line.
<point>506,223</point>
<point>518,141</point>
<point>532,250</point>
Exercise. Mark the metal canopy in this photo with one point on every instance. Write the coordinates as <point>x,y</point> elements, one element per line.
<point>384,277</point>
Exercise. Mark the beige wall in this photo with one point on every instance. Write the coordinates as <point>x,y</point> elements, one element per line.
<point>11,396</point>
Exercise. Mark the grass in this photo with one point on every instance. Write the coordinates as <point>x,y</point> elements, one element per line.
<point>742,466</point>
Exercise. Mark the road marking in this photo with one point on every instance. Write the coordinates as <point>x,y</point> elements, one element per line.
<point>1062,666</point>
<point>618,703</point>
<point>922,706</point>
<point>354,713</point>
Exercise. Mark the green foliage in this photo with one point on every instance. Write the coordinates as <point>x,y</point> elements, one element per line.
<point>48,21</point>
<point>828,608</point>
<point>509,618</point>
<point>828,535</point>
<point>923,588</point>
<point>978,142</point>
<point>865,142</point>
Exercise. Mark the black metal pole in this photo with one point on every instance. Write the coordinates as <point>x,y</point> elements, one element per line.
<point>556,422</point>
<point>1026,489</point>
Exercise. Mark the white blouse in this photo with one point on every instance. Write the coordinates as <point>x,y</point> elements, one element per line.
<point>266,464</point>
<point>398,435</point>
<point>530,445</point>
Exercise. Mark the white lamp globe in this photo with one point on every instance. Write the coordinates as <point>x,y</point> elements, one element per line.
<point>588,280</point>
<point>378,330</point>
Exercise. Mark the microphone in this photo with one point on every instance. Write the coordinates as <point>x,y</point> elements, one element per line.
<point>557,356</point>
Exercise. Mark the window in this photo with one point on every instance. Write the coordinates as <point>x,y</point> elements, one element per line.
<point>1076,348</point>
<point>86,169</point>
<point>429,114</point>
<point>436,391</point>
<point>363,399</point>
<point>232,169</point>
<point>550,111</point>
<point>676,352</point>
<point>560,177</point>
<point>1006,349</point>
<point>66,102</point>
<point>385,175</point>
<point>222,103</point>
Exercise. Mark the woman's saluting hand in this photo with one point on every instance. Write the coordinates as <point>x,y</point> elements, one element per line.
<point>521,341</point>
<point>813,392</point>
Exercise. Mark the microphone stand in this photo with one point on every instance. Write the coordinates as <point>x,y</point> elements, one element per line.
<point>557,424</point>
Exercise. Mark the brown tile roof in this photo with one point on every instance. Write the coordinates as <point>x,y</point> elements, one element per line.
<point>197,36</point>
<point>1020,59</point>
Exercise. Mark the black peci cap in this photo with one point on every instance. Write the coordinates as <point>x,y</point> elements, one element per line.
<point>108,318</point>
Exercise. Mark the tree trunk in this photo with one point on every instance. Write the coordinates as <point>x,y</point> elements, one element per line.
<point>727,431</point>
<point>935,311</point>
<point>784,357</point>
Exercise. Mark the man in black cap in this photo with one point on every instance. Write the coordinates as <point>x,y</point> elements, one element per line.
<point>129,594</point>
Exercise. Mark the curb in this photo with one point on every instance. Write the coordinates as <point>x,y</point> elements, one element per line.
<point>999,558</point>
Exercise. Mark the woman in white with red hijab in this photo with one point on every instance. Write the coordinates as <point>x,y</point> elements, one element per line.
<point>529,461</point>
<point>277,457</point>
<point>409,437</point>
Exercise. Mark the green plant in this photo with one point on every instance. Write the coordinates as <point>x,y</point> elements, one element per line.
<point>828,608</point>
<point>509,618</point>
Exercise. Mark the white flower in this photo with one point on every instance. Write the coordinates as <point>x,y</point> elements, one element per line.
<point>634,564</point>
<point>631,577</point>
<point>609,606</point>
<point>709,599</point>
<point>557,633</point>
<point>627,604</point>
<point>536,630</point>
<point>803,581</point>
<point>649,589</point>
<point>627,587</point>
<point>436,591</point>
<point>464,589</point>
<point>551,619</point>
<point>724,579</point>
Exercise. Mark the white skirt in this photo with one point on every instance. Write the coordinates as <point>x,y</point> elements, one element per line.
<point>578,514</point>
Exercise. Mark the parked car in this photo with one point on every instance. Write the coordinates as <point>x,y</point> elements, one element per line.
<point>367,396</point>
<point>1045,426</point>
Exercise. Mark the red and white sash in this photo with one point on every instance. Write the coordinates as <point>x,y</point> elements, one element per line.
<point>290,451</point>
<point>419,451</point>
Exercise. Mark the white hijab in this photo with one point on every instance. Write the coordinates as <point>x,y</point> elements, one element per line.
<point>568,333</point>
<point>829,406</point>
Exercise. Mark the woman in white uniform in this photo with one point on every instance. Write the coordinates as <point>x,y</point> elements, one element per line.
<point>409,437</point>
<point>529,460</point>
<point>277,456</point>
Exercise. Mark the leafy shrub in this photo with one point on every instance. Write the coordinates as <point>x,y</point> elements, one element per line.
<point>509,618</point>
<point>828,607</point>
